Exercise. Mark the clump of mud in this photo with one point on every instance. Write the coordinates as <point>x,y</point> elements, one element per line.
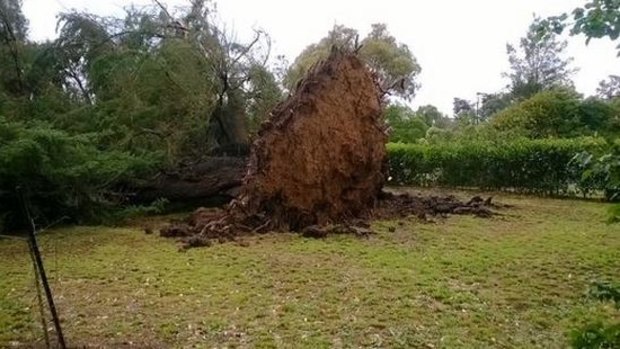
<point>403,205</point>
<point>318,165</point>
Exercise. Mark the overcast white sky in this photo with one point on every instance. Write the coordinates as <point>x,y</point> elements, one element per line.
<point>461,45</point>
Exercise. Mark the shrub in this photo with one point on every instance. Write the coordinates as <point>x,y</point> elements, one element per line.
<point>606,292</point>
<point>600,172</point>
<point>554,113</point>
<point>406,125</point>
<point>596,336</point>
<point>614,214</point>
<point>534,166</point>
<point>62,174</point>
<point>596,115</point>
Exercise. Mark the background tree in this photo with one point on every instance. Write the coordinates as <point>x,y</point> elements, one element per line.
<point>14,23</point>
<point>234,63</point>
<point>464,111</point>
<point>13,29</point>
<point>596,19</point>
<point>432,116</point>
<point>339,35</point>
<point>406,125</point>
<point>182,81</point>
<point>559,113</point>
<point>479,111</point>
<point>610,88</point>
<point>262,95</point>
<point>537,64</point>
<point>493,103</point>
<point>599,117</point>
<point>390,60</point>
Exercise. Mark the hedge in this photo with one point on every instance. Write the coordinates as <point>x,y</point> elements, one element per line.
<point>534,166</point>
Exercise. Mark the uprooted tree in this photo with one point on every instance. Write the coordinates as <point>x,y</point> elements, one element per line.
<point>318,164</point>
<point>321,157</point>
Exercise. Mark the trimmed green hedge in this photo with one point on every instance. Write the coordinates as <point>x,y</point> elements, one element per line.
<point>534,166</point>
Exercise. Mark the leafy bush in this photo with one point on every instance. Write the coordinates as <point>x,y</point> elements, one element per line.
<point>62,174</point>
<point>614,214</point>
<point>558,113</point>
<point>158,206</point>
<point>597,115</point>
<point>534,166</point>
<point>589,173</point>
<point>406,126</point>
<point>596,336</point>
<point>600,171</point>
<point>606,292</point>
<point>470,134</point>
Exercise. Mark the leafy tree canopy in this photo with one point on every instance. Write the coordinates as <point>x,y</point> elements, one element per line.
<point>406,125</point>
<point>610,88</point>
<point>81,113</point>
<point>393,62</point>
<point>556,113</point>
<point>537,63</point>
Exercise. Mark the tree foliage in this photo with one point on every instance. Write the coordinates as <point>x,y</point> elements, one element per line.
<point>406,125</point>
<point>610,88</point>
<point>409,126</point>
<point>14,23</point>
<point>393,62</point>
<point>64,174</point>
<point>557,113</point>
<point>464,111</point>
<point>480,111</point>
<point>432,116</point>
<point>182,69</point>
<point>13,29</point>
<point>537,64</point>
<point>595,19</point>
<point>493,103</point>
<point>115,98</point>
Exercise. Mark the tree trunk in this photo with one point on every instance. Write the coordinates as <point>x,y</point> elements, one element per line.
<point>210,178</point>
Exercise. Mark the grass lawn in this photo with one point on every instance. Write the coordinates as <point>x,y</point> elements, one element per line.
<point>513,281</point>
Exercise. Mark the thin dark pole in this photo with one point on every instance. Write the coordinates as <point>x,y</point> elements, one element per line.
<point>37,285</point>
<point>39,265</point>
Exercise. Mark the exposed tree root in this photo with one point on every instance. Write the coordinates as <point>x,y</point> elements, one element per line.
<point>205,227</point>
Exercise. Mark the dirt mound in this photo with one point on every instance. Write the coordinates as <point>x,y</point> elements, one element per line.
<point>205,226</point>
<point>319,160</point>
<point>402,205</point>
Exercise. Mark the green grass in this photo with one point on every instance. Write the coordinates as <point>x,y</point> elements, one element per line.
<point>515,281</point>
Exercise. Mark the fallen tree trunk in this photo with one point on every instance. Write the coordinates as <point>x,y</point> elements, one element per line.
<point>211,177</point>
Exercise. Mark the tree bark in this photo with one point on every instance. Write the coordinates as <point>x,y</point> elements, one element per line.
<point>213,177</point>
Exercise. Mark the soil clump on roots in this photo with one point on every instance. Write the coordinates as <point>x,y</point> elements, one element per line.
<point>318,165</point>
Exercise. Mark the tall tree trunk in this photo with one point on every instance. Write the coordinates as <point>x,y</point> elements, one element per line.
<point>228,124</point>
